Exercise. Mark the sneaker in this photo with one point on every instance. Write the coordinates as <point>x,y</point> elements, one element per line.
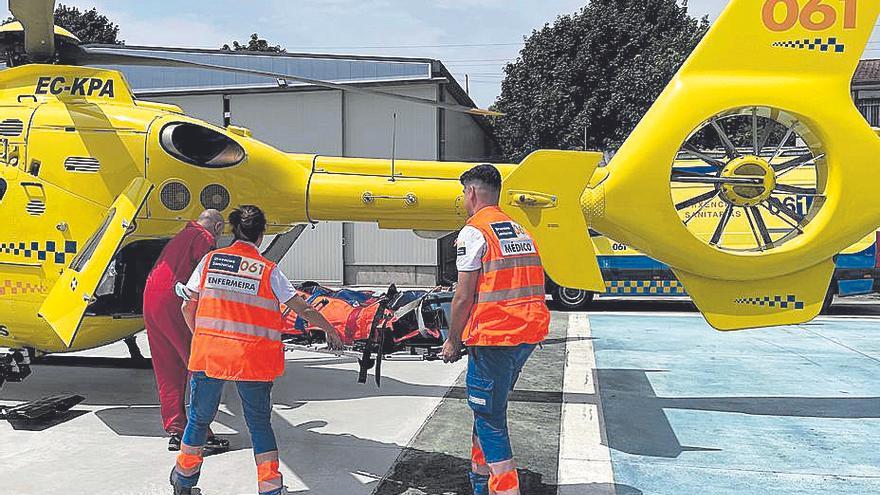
<point>174,443</point>
<point>216,444</point>
<point>178,490</point>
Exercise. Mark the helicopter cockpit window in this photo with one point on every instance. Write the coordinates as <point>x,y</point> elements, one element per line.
<point>200,146</point>
<point>2,189</point>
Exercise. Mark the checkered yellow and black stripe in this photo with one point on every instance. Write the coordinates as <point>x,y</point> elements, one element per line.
<point>829,45</point>
<point>10,288</point>
<point>644,287</point>
<point>53,251</point>
<point>783,302</point>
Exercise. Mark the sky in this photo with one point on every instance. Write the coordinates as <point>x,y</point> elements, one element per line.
<point>475,37</point>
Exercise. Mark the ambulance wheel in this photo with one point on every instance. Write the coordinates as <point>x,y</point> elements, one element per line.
<point>571,299</point>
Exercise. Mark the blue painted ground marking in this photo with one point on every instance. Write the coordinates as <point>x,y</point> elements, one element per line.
<point>792,410</point>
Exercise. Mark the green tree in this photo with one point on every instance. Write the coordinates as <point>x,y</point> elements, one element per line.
<point>598,71</point>
<point>89,26</point>
<point>256,44</point>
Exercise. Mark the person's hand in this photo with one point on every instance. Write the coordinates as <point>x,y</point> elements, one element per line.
<point>451,351</point>
<point>334,341</point>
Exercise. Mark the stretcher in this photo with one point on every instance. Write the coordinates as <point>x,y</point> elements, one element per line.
<point>398,325</point>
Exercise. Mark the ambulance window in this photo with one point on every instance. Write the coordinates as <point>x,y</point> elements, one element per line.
<point>79,262</point>
<point>200,146</point>
<point>2,189</point>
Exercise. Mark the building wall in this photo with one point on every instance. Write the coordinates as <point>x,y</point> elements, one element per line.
<point>205,107</point>
<point>369,124</point>
<point>465,139</point>
<point>304,122</point>
<point>333,123</point>
<point>867,100</point>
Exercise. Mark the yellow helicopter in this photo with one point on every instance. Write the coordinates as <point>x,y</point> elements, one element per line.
<point>90,175</point>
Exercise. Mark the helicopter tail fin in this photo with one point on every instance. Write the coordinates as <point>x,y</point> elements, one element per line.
<point>786,300</point>
<point>785,103</point>
<point>777,35</point>
<point>543,194</point>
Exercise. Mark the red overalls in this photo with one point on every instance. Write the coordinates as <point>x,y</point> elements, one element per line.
<point>168,335</point>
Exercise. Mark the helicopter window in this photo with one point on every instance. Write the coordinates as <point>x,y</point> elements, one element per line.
<point>79,262</point>
<point>200,146</point>
<point>2,189</point>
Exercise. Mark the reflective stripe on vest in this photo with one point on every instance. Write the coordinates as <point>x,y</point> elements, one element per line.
<point>238,327</point>
<point>503,264</point>
<point>223,295</point>
<point>511,294</point>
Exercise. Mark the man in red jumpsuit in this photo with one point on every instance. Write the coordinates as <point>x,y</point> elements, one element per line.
<point>167,333</point>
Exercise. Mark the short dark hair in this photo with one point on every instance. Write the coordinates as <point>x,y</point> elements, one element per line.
<point>485,174</point>
<point>248,223</point>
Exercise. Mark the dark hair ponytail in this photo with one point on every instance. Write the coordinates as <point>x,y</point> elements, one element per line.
<point>248,223</point>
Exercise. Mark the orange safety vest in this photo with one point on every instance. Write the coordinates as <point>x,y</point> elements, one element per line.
<point>238,321</point>
<point>511,308</point>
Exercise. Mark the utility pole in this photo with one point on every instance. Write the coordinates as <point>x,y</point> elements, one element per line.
<point>467,84</point>
<point>393,147</point>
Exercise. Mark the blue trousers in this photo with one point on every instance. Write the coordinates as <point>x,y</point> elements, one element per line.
<point>491,375</point>
<point>256,401</point>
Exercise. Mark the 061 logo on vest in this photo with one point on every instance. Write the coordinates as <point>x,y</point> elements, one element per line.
<point>234,273</point>
<point>238,265</point>
<point>514,240</point>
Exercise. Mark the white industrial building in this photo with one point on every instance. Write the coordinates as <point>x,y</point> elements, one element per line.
<point>307,119</point>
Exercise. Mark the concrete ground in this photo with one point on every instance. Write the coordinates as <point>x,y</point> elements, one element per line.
<point>635,397</point>
<point>335,436</point>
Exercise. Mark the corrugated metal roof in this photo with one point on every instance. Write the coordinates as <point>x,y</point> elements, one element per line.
<point>339,69</point>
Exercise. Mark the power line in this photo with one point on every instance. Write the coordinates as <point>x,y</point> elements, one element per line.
<point>400,47</point>
<point>481,60</point>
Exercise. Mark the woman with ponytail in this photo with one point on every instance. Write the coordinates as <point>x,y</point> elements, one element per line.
<point>237,323</point>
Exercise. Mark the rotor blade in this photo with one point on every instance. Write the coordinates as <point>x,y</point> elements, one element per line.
<point>38,19</point>
<point>729,148</point>
<point>788,134</point>
<point>754,231</point>
<point>697,200</point>
<point>795,162</point>
<point>755,131</point>
<point>707,179</point>
<point>803,191</point>
<point>690,148</point>
<point>775,203</point>
<point>696,213</point>
<point>105,56</point>
<point>762,226</point>
<point>722,225</point>
<point>698,178</point>
<point>765,137</point>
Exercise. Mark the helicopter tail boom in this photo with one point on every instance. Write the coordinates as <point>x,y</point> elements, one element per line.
<point>542,194</point>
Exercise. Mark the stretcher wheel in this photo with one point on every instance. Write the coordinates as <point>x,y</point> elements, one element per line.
<point>750,179</point>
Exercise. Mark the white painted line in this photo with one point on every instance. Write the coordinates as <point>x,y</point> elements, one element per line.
<point>584,457</point>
